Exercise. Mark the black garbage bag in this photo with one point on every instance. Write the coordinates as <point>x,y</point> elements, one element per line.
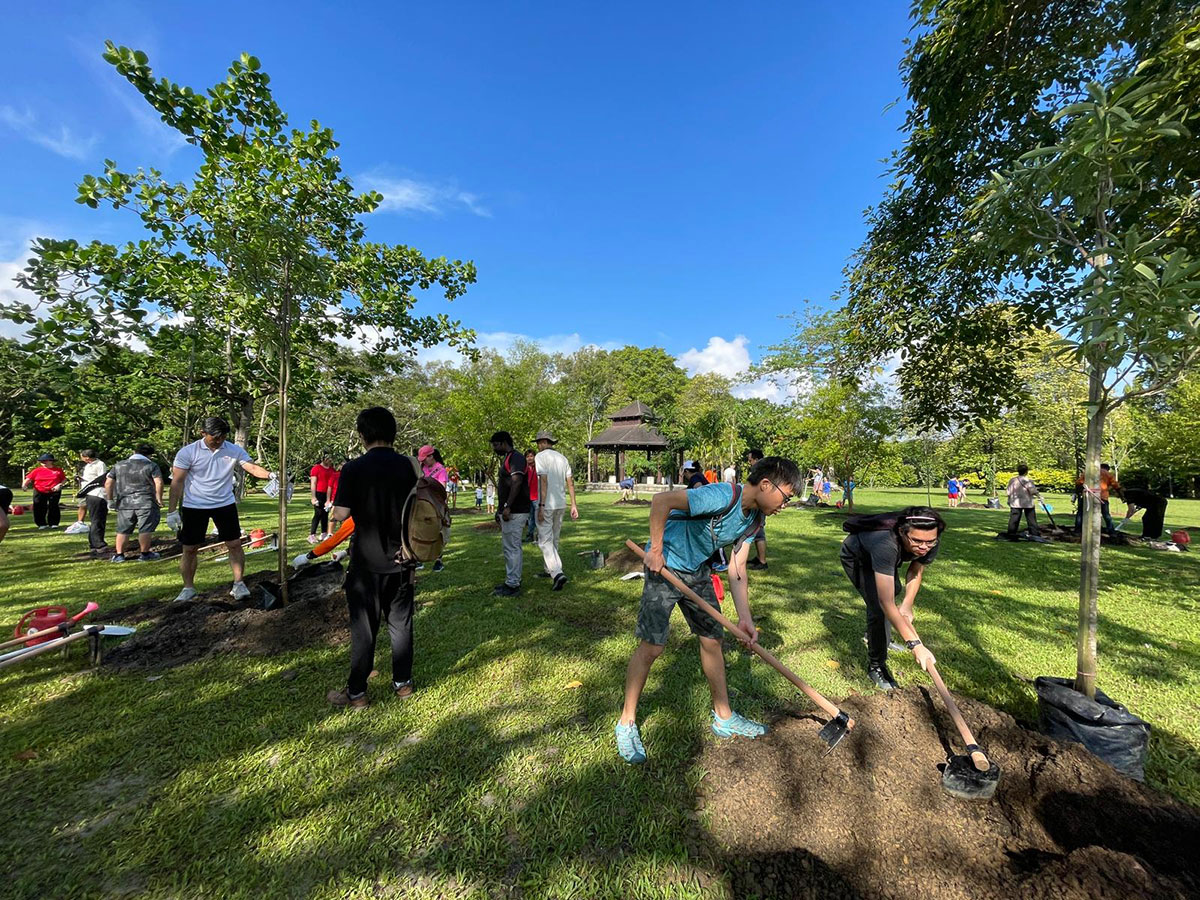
<point>1106,728</point>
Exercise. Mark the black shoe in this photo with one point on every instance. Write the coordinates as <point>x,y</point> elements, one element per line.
<point>438,566</point>
<point>882,678</point>
<point>559,580</point>
<point>506,590</point>
<point>755,564</point>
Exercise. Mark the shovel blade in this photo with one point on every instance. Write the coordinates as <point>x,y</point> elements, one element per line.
<point>834,731</point>
<point>272,598</point>
<point>961,779</point>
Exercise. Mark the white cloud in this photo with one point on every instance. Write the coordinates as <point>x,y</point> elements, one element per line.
<point>408,195</point>
<point>63,141</point>
<point>731,359</point>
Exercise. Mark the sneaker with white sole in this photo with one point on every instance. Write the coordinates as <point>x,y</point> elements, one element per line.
<point>737,725</point>
<point>185,595</point>
<point>76,528</point>
<point>629,744</point>
<point>313,539</point>
<point>239,591</point>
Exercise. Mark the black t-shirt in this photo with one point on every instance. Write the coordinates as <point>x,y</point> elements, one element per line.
<point>374,487</point>
<point>511,464</point>
<point>882,552</point>
<point>697,480</point>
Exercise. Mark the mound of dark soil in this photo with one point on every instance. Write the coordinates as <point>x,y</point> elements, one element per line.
<point>1067,536</point>
<point>968,504</point>
<point>623,560</point>
<point>171,634</point>
<point>489,525</point>
<point>631,503</point>
<point>465,511</point>
<point>872,821</point>
<point>168,547</point>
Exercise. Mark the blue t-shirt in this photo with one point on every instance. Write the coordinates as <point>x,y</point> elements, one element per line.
<point>688,543</point>
<point>952,486</point>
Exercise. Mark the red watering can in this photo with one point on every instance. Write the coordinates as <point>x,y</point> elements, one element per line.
<point>47,618</point>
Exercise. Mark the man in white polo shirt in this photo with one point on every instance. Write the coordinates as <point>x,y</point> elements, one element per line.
<point>555,481</point>
<point>202,478</point>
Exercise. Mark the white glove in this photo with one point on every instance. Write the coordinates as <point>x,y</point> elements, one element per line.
<point>175,520</point>
<point>301,561</point>
<point>339,555</point>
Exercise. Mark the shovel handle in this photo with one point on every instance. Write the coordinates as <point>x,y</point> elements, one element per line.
<point>50,645</point>
<point>978,757</point>
<point>766,655</point>
<point>59,629</point>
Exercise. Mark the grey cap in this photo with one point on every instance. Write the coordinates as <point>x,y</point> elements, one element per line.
<point>544,435</point>
<point>45,457</point>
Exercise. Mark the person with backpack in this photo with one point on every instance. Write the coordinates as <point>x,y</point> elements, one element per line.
<point>512,511</point>
<point>871,556</point>
<point>374,489</point>
<point>686,527</point>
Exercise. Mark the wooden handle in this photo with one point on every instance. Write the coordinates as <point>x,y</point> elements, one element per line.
<point>977,756</point>
<point>50,645</point>
<point>766,656</point>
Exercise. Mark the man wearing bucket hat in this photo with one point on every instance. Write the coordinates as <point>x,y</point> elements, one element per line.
<point>46,480</point>
<point>202,490</point>
<point>555,482</point>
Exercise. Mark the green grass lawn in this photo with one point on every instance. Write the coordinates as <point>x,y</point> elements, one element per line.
<point>224,779</point>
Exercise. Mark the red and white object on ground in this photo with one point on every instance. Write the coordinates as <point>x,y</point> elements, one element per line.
<point>42,624</point>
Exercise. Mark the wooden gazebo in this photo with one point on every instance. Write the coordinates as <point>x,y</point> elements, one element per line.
<point>630,430</point>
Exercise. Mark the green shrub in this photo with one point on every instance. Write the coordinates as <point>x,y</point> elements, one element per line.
<point>1061,480</point>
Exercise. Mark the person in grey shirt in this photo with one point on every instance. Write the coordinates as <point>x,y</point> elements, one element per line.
<point>134,489</point>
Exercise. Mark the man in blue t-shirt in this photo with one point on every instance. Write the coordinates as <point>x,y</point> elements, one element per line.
<point>686,527</point>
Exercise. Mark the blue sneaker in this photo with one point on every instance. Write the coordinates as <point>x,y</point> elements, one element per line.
<point>629,744</point>
<point>720,567</point>
<point>737,726</point>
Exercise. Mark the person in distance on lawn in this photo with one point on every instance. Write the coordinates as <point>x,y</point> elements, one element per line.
<point>373,489</point>
<point>6,499</point>
<point>202,489</point>
<point>92,496</point>
<point>872,558</point>
<point>1021,494</point>
<point>686,527</point>
<point>432,466</point>
<point>760,536</point>
<point>319,478</point>
<point>133,487</point>
<point>555,482</point>
<point>46,479</point>
<point>512,511</point>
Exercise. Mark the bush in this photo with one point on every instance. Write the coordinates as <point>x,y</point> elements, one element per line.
<point>1059,480</point>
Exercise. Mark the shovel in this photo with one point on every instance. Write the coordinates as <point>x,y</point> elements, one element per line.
<point>835,729</point>
<point>272,596</point>
<point>15,657</point>
<point>972,777</point>
<point>269,542</point>
<point>1050,514</point>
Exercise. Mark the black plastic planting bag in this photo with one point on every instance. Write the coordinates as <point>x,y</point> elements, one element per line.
<point>1106,728</point>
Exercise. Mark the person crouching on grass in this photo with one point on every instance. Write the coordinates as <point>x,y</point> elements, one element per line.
<point>686,528</point>
<point>872,556</point>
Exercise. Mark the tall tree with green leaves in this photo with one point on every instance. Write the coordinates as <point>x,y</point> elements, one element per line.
<point>268,237</point>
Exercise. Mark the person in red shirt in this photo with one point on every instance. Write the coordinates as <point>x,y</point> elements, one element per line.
<point>333,483</point>
<point>46,480</point>
<point>531,531</point>
<point>319,482</point>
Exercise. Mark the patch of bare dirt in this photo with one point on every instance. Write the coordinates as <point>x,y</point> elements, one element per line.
<point>1062,535</point>
<point>623,560</point>
<point>171,634</point>
<point>631,503</point>
<point>170,548</point>
<point>872,821</point>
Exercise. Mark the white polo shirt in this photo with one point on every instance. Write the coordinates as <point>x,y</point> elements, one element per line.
<point>557,470</point>
<point>209,481</point>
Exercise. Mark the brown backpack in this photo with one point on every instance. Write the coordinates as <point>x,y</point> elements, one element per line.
<point>426,520</point>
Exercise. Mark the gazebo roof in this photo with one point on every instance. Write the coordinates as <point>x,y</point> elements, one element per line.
<point>635,410</point>
<point>628,436</point>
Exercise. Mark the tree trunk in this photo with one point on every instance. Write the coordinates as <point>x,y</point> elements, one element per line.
<point>1089,568</point>
<point>285,380</point>
<point>241,434</point>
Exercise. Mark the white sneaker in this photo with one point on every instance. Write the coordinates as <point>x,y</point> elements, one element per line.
<point>239,591</point>
<point>185,595</point>
<point>313,539</point>
<point>76,528</point>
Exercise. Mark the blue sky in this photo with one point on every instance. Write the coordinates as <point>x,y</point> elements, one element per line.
<point>670,174</point>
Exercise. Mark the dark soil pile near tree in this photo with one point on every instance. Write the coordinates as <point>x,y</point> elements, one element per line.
<point>631,503</point>
<point>171,634</point>
<point>1067,536</point>
<point>872,821</point>
<point>489,525</point>
<point>170,548</point>
<point>623,560</point>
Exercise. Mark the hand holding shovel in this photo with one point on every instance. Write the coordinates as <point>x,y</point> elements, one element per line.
<point>840,723</point>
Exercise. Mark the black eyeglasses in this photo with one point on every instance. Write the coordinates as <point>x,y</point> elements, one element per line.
<point>787,498</point>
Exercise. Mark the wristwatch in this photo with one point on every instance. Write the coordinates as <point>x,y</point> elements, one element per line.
<point>912,644</point>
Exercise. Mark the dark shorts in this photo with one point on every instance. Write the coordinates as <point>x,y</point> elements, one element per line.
<point>6,499</point>
<point>761,533</point>
<point>659,598</point>
<point>195,524</point>
<point>145,520</point>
